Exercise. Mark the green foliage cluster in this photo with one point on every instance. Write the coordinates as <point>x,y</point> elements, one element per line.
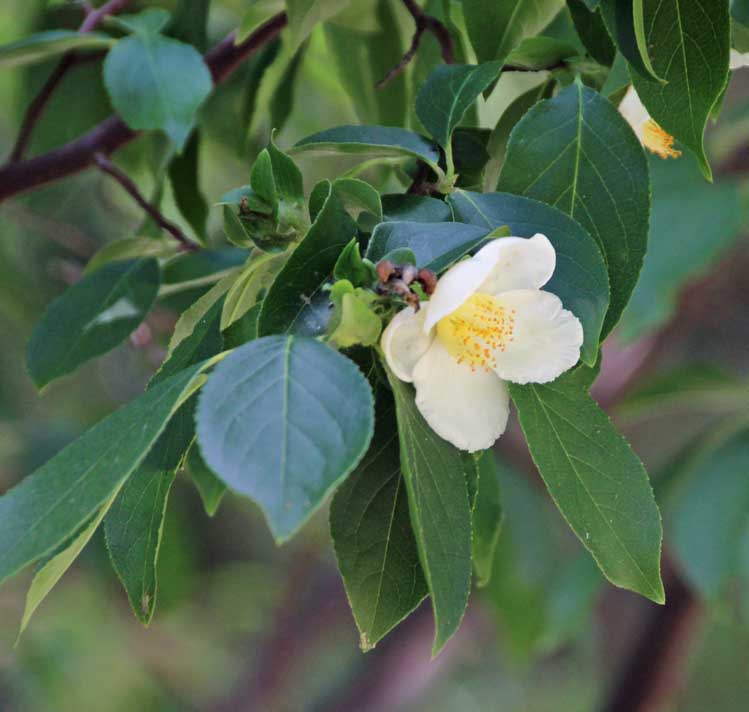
<point>274,386</point>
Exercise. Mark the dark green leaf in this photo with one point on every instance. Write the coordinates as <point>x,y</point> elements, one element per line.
<point>283,420</point>
<point>44,45</point>
<point>577,153</point>
<point>689,44</point>
<point>434,472</point>
<point>305,14</point>
<point>350,266</point>
<point>378,140</point>
<point>156,82</point>
<point>495,28</point>
<point>358,194</point>
<point>300,281</point>
<point>448,92</point>
<point>579,280</point>
<point>53,502</point>
<point>415,208</point>
<point>436,245</point>
<point>189,22</point>
<point>538,53</point>
<point>133,528</point>
<point>592,32</point>
<point>487,517</point>
<point>624,21</point>
<point>685,212</point>
<point>210,487</point>
<point>371,531</point>
<point>197,266</point>
<point>183,174</point>
<point>595,479</point>
<point>148,22</point>
<point>91,318</point>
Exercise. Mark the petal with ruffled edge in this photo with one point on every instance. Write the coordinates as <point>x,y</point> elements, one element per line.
<point>545,338</point>
<point>404,342</point>
<point>468,408</point>
<point>503,264</point>
<point>633,111</point>
<point>738,60</point>
<point>521,263</point>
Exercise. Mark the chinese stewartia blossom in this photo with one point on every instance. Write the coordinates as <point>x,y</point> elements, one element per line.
<point>651,135</point>
<point>487,322</point>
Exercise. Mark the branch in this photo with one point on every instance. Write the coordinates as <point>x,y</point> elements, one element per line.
<point>424,23</point>
<point>39,104</point>
<point>109,168</point>
<point>113,133</point>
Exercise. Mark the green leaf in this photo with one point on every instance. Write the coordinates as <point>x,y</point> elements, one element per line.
<point>53,502</point>
<point>377,140</point>
<point>130,248</point>
<point>204,266</point>
<point>592,32</point>
<point>305,14</point>
<point>689,44</point>
<point>625,23</point>
<point>497,144</point>
<point>596,480</point>
<point>246,291</point>
<point>210,487</point>
<point>301,279</point>
<point>355,193</point>
<point>577,153</point>
<point>353,322</point>
<point>148,22</point>
<point>710,514</point>
<point>685,211</point>
<point>579,279</point>
<point>256,14</point>
<point>539,53</point>
<point>448,92</point>
<point>283,420</point>
<point>156,82</point>
<point>48,575</point>
<point>415,208</point>
<point>350,266</point>
<point>44,45</point>
<point>436,245</point>
<point>487,517</point>
<point>91,318</point>
<point>189,22</point>
<point>183,173</point>
<point>286,175</point>
<point>435,477</point>
<point>365,55</point>
<point>496,28</point>
<point>371,531</point>
<point>133,528</point>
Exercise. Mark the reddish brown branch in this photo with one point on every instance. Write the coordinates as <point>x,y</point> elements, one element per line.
<point>424,23</point>
<point>110,169</point>
<point>112,133</point>
<point>69,59</point>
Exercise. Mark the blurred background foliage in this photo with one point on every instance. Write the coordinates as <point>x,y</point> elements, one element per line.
<point>243,625</point>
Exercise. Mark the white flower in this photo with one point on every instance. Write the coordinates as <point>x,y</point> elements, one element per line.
<point>651,135</point>
<point>487,322</point>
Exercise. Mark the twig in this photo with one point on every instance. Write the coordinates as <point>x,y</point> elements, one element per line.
<point>109,168</point>
<point>69,59</point>
<point>424,23</point>
<point>113,133</point>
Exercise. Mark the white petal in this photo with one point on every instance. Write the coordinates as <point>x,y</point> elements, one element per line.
<point>404,342</point>
<point>634,111</point>
<point>521,263</point>
<point>467,408</point>
<point>546,338</point>
<point>739,59</point>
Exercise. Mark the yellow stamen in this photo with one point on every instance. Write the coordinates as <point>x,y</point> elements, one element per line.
<point>655,139</point>
<point>476,331</point>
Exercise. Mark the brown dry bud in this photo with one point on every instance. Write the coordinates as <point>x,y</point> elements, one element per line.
<point>428,280</point>
<point>385,269</point>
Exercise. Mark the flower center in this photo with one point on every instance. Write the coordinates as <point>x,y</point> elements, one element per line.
<point>658,141</point>
<point>476,330</point>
